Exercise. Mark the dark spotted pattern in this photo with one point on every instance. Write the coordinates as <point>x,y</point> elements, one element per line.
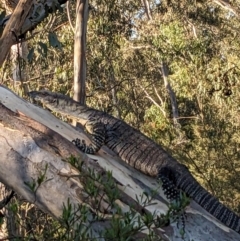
<point>98,133</point>
<point>138,151</point>
<point>168,185</point>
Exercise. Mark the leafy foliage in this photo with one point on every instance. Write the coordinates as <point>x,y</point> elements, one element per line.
<point>198,40</point>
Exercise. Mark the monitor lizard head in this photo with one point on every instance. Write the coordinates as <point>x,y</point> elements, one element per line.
<point>61,104</point>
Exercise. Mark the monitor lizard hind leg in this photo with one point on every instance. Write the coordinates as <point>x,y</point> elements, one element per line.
<point>167,177</point>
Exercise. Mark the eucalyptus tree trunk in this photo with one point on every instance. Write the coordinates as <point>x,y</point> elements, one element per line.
<point>18,53</point>
<point>80,51</point>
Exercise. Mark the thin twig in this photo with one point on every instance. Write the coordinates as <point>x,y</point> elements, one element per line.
<point>69,17</point>
<point>150,98</point>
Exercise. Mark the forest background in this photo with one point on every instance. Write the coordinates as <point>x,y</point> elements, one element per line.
<point>129,44</point>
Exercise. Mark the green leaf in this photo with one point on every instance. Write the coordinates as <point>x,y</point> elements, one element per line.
<point>2,16</point>
<point>30,55</point>
<point>53,40</point>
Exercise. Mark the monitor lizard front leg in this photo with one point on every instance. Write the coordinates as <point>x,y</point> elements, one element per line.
<point>98,135</point>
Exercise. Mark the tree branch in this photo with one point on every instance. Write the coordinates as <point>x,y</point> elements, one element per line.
<point>170,92</point>
<point>13,31</point>
<point>13,27</point>
<point>147,9</point>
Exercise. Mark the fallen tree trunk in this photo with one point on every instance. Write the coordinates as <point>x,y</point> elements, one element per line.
<point>35,148</point>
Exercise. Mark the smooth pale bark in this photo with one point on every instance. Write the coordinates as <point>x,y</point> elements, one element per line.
<point>26,146</point>
<point>80,51</point>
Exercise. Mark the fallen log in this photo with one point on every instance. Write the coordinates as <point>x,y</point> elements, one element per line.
<point>36,152</point>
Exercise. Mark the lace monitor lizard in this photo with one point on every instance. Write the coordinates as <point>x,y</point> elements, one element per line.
<point>138,151</point>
